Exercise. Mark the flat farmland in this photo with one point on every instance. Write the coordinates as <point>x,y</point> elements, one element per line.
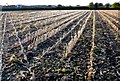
<point>60,45</point>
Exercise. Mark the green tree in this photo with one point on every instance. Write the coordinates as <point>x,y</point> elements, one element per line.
<point>91,5</point>
<point>59,5</point>
<point>96,5</point>
<point>107,5</point>
<point>77,5</point>
<point>100,5</point>
<point>116,5</point>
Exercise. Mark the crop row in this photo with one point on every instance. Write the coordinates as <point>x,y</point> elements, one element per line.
<point>72,45</point>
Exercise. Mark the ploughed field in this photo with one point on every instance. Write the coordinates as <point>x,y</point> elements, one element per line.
<point>60,45</point>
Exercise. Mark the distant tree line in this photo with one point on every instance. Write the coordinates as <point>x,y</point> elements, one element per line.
<point>91,5</point>
<point>107,5</point>
<point>115,5</point>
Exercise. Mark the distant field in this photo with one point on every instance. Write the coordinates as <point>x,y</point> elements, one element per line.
<point>60,45</point>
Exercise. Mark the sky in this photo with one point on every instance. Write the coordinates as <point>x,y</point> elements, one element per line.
<point>54,2</point>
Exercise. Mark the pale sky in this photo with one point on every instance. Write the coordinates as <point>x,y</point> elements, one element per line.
<point>54,2</point>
